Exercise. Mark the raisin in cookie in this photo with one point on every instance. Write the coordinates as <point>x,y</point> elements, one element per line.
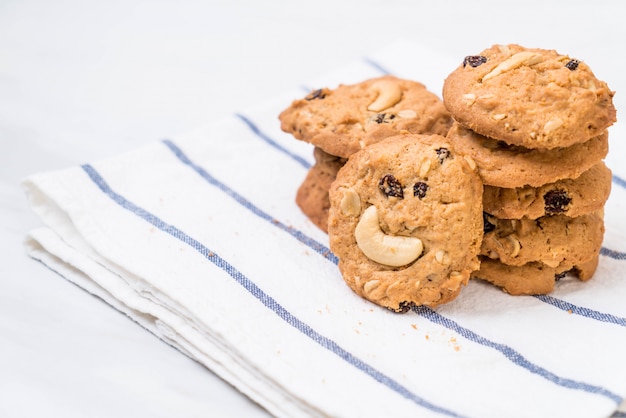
<point>312,195</point>
<point>511,166</point>
<point>571,197</point>
<point>533,278</point>
<point>535,98</point>
<point>344,120</point>
<point>552,240</point>
<point>406,221</point>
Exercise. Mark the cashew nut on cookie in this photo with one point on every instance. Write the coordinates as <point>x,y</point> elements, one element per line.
<point>390,250</point>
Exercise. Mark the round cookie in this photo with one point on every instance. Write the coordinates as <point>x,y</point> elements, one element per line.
<point>532,278</point>
<point>341,121</point>
<point>571,197</point>
<point>406,221</point>
<point>530,97</point>
<point>552,240</point>
<point>312,195</point>
<point>511,166</point>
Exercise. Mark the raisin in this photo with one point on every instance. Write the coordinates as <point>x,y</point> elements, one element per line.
<point>383,117</point>
<point>487,226</point>
<point>419,189</point>
<point>390,186</point>
<point>442,154</point>
<point>316,94</point>
<point>474,60</point>
<point>572,64</point>
<point>538,223</point>
<point>556,201</point>
<point>405,306</point>
<point>561,275</point>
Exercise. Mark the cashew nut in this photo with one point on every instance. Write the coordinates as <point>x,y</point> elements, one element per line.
<point>389,93</point>
<point>407,114</point>
<point>470,162</point>
<point>350,203</point>
<point>469,98</point>
<point>517,246</point>
<point>517,60</point>
<point>390,250</point>
<point>442,257</point>
<point>553,124</point>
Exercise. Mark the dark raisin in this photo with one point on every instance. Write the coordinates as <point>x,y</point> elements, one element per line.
<point>487,226</point>
<point>572,64</point>
<point>405,306</point>
<point>474,60</point>
<point>316,94</point>
<point>390,186</point>
<point>559,276</point>
<point>383,117</point>
<point>442,154</point>
<point>538,223</point>
<point>419,189</point>
<point>556,201</point>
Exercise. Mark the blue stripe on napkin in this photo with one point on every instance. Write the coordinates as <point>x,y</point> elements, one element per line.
<point>515,356</point>
<point>580,310</point>
<point>300,236</point>
<point>428,313</point>
<point>302,161</point>
<point>260,295</point>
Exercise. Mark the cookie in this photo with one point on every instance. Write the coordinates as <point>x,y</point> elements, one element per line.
<point>552,240</point>
<point>312,195</point>
<point>571,197</point>
<point>532,278</point>
<point>406,221</point>
<point>511,166</point>
<point>531,97</point>
<point>341,121</point>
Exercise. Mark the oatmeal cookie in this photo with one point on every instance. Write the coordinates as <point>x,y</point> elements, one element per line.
<point>552,240</point>
<point>571,197</point>
<point>533,278</point>
<point>531,97</point>
<point>343,120</point>
<point>406,221</point>
<point>511,166</point>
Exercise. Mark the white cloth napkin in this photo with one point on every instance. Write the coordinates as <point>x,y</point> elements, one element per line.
<point>198,239</point>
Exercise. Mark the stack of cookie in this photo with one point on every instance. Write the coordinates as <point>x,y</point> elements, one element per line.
<point>344,120</point>
<point>402,208</point>
<point>535,123</point>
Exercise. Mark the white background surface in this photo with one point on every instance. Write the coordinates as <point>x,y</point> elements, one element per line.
<point>81,80</point>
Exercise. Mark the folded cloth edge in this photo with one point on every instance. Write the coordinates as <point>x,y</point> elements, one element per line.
<point>44,245</point>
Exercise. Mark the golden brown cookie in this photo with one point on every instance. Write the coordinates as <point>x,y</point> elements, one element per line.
<point>531,97</point>
<point>532,278</point>
<point>406,221</point>
<point>511,166</point>
<point>571,197</point>
<point>341,121</point>
<point>552,240</point>
<point>312,195</point>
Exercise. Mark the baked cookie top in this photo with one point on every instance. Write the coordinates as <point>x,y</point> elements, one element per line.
<point>552,240</point>
<point>510,166</point>
<point>406,221</point>
<point>341,121</point>
<point>570,197</point>
<point>535,98</point>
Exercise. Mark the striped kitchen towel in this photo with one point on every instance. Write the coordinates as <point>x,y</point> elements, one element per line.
<point>198,239</point>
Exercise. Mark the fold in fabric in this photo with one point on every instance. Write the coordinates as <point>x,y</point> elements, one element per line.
<point>198,240</point>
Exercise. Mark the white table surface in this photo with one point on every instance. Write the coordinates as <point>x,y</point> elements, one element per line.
<point>83,80</point>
